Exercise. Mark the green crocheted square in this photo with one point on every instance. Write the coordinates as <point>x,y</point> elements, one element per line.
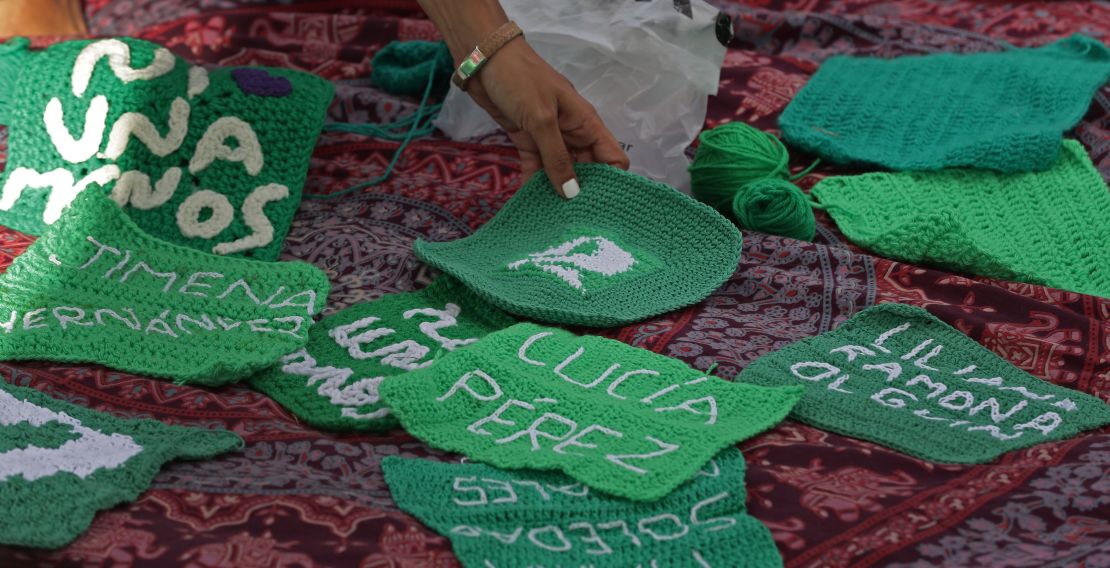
<point>332,382</point>
<point>96,289</point>
<point>1049,227</point>
<point>1004,111</point>
<point>625,249</point>
<point>623,420</point>
<point>61,463</point>
<point>898,376</point>
<point>213,160</point>
<point>535,518</point>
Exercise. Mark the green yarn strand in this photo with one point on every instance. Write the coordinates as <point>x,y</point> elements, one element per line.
<point>743,171</point>
<point>13,55</point>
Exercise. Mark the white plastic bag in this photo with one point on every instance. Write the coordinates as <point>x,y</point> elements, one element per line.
<point>648,66</point>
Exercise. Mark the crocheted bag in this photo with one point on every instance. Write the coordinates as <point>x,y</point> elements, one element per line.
<point>623,420</point>
<point>213,160</point>
<point>1004,111</point>
<point>898,376</point>
<point>625,249</point>
<point>535,518</point>
<point>61,463</point>
<point>96,289</point>
<point>1048,227</point>
<point>332,382</point>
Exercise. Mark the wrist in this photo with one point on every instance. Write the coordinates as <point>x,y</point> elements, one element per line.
<point>464,24</point>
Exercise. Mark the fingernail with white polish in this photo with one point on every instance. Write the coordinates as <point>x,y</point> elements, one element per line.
<point>571,189</point>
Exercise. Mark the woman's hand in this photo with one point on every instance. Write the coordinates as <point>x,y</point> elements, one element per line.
<point>549,122</point>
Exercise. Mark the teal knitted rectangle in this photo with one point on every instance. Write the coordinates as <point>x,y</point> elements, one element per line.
<point>533,518</point>
<point>96,289</point>
<point>1004,111</point>
<point>332,382</point>
<point>210,159</point>
<point>623,420</point>
<point>898,376</point>
<point>625,249</point>
<point>1049,227</point>
<point>61,463</point>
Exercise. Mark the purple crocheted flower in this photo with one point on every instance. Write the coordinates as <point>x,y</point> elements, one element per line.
<point>259,82</point>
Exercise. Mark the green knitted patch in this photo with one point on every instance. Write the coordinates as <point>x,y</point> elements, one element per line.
<point>623,420</point>
<point>333,381</point>
<point>625,249</point>
<point>96,289</point>
<point>61,463</point>
<point>1004,111</point>
<point>1048,227</point>
<point>213,160</point>
<point>498,518</point>
<point>898,376</point>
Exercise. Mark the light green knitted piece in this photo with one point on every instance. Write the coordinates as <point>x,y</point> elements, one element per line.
<point>897,376</point>
<point>625,249</point>
<point>332,383</point>
<point>623,420</point>
<point>1048,227</point>
<point>1003,111</point>
<point>96,289</point>
<point>210,159</point>
<point>61,463</point>
<point>533,518</point>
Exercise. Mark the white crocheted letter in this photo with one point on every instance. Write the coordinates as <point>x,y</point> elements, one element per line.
<point>138,125</point>
<point>76,150</point>
<point>119,59</point>
<point>211,146</point>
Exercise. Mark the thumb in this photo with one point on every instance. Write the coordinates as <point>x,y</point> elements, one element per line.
<point>557,161</point>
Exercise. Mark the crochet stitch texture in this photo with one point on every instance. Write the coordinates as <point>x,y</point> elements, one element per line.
<point>535,518</point>
<point>896,375</point>
<point>1050,227</point>
<point>332,383</point>
<point>940,111</point>
<point>210,159</point>
<point>96,289</point>
<point>61,463</point>
<point>625,249</point>
<point>623,420</point>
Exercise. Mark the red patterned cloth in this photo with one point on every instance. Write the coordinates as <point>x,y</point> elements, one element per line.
<point>299,497</point>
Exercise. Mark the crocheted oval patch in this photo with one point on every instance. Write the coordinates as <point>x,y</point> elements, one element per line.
<point>61,463</point>
<point>625,249</point>
<point>210,159</point>
<point>898,376</point>
<point>333,381</point>
<point>534,518</point>
<point>623,420</point>
<point>96,289</point>
<point>1049,227</point>
<point>1004,111</point>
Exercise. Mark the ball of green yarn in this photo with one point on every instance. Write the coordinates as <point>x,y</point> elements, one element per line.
<point>776,206</point>
<point>402,67</point>
<point>731,155</point>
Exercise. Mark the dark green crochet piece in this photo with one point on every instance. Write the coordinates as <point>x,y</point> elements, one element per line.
<point>209,159</point>
<point>623,420</point>
<point>332,383</point>
<point>61,463</point>
<point>1050,227</point>
<point>96,289</point>
<point>533,518</point>
<point>898,376</point>
<point>1004,111</point>
<point>625,249</point>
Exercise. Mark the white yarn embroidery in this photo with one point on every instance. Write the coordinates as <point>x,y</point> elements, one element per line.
<point>138,125</point>
<point>198,81</point>
<point>607,259</point>
<point>255,218</point>
<point>74,150</point>
<point>188,215</point>
<point>211,146</point>
<point>119,59</point>
<point>92,451</point>
<point>133,188</point>
<point>359,393</point>
<point>62,188</point>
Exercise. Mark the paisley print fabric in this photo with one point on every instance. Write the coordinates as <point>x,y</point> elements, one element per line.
<point>300,497</point>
